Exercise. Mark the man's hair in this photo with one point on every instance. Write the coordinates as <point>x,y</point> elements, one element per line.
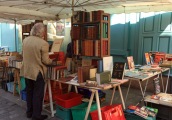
<point>38,30</point>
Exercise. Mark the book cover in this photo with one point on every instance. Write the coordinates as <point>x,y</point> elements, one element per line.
<point>147,58</point>
<point>93,72</point>
<point>104,77</point>
<point>118,70</point>
<point>56,44</point>
<point>100,66</point>
<point>130,63</point>
<point>108,64</point>
<point>83,73</point>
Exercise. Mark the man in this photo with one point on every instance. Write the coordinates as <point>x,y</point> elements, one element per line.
<point>35,59</point>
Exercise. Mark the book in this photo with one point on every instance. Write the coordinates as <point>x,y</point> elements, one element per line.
<point>93,72</point>
<point>108,64</point>
<point>103,77</point>
<point>56,44</point>
<point>147,58</point>
<point>141,113</point>
<point>83,73</point>
<point>118,70</point>
<point>130,63</point>
<point>100,66</point>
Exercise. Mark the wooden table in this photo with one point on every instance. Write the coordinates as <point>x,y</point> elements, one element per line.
<point>94,92</point>
<point>164,108</point>
<point>139,76</point>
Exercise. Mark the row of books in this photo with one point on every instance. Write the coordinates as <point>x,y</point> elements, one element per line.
<point>105,30</point>
<point>81,16</point>
<point>142,111</point>
<point>91,32</point>
<point>90,47</point>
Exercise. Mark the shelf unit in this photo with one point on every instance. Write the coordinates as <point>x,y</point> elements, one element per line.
<point>90,33</point>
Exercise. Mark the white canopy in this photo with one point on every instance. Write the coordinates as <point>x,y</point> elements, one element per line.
<point>21,10</point>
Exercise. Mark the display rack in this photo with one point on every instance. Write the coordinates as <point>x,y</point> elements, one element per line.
<point>91,33</point>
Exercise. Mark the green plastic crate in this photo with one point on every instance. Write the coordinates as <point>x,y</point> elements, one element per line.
<point>79,111</point>
<point>63,113</point>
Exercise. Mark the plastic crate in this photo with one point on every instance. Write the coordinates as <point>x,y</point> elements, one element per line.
<point>69,100</point>
<point>63,113</point>
<point>10,86</point>
<point>94,114</point>
<point>23,95</point>
<point>78,112</point>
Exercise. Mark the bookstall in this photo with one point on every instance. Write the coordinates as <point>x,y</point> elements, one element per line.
<point>94,91</point>
<point>11,69</point>
<point>162,102</point>
<point>141,76</point>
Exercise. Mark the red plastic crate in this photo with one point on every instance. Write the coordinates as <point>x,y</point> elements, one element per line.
<point>94,114</point>
<point>69,100</point>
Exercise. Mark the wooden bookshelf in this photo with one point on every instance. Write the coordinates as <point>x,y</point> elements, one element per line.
<point>90,33</point>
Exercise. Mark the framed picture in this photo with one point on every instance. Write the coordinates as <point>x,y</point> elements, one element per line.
<point>60,27</point>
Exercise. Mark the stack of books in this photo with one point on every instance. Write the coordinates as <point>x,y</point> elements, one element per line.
<point>146,111</point>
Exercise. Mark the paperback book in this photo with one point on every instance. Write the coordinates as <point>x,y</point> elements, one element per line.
<point>130,63</point>
<point>147,58</point>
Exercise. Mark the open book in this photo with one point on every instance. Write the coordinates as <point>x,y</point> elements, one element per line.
<point>56,44</point>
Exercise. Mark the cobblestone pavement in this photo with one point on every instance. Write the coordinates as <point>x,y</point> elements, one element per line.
<point>12,108</point>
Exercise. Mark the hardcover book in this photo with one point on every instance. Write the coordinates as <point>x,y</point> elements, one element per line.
<point>83,73</point>
<point>118,70</point>
<point>104,77</point>
<point>130,63</point>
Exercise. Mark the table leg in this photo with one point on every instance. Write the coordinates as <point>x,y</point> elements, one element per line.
<point>69,88</point>
<point>141,89</point>
<point>167,81</point>
<point>128,90</point>
<point>145,87</point>
<point>112,95</point>
<point>50,97</point>
<point>98,105</point>
<point>45,89</point>
<point>162,81</point>
<point>89,105</point>
<point>123,103</point>
<point>76,89</point>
